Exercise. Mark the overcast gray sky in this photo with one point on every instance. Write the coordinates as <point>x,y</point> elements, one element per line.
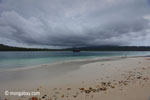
<point>69,23</point>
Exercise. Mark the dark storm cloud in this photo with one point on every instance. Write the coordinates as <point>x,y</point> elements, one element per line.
<point>66,23</point>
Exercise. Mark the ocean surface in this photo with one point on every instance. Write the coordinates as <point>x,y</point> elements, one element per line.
<point>9,60</point>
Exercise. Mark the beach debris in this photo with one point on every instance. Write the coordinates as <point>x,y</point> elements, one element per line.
<point>74,96</point>
<point>144,68</point>
<point>82,89</point>
<point>112,86</point>
<point>57,92</point>
<point>103,88</point>
<point>33,98</point>
<point>44,96</point>
<point>62,96</point>
<point>139,77</point>
<point>68,88</point>
<point>87,91</point>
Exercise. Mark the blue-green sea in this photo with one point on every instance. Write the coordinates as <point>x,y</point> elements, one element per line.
<point>31,58</point>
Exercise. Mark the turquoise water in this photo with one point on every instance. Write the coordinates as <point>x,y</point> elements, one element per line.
<point>27,58</point>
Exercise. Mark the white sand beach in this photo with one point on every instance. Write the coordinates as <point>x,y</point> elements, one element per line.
<point>113,78</point>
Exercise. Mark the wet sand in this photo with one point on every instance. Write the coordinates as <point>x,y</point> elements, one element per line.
<point>115,78</point>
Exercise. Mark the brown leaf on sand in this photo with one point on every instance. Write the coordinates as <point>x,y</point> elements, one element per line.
<point>33,98</point>
<point>103,88</point>
<point>87,91</point>
<point>82,89</point>
<point>62,96</point>
<point>103,83</point>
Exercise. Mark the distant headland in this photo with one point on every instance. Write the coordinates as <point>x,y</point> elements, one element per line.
<point>87,48</point>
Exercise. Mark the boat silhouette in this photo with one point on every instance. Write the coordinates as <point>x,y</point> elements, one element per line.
<point>75,50</point>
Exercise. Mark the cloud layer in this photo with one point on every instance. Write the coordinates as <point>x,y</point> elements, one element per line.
<point>69,23</point>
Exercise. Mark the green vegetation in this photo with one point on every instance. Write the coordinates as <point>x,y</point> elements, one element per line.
<point>9,48</point>
<point>91,48</point>
<point>115,48</point>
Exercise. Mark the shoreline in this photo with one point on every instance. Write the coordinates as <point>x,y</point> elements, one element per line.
<point>67,61</point>
<point>83,79</point>
<point>59,62</point>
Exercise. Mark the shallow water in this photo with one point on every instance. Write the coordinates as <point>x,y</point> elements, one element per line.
<point>29,58</point>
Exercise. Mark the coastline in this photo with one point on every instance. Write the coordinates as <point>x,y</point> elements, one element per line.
<point>78,76</point>
<point>67,61</point>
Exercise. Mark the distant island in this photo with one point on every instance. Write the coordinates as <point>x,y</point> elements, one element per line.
<point>11,48</point>
<point>88,48</point>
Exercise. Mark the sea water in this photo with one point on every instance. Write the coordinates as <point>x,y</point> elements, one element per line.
<point>18,59</point>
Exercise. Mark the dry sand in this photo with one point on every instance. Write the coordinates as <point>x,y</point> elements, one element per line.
<point>116,78</point>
